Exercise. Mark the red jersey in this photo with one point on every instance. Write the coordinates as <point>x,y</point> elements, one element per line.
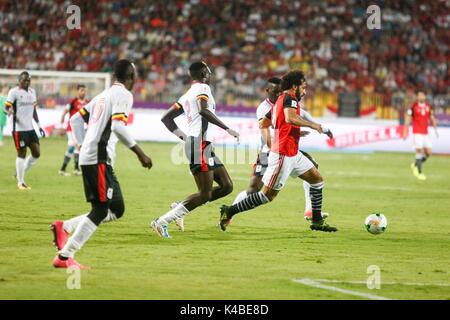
<point>420,114</point>
<point>286,136</point>
<point>74,106</point>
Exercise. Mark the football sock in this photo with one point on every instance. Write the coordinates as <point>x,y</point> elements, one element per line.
<point>31,161</point>
<point>178,212</point>
<point>83,232</point>
<point>250,202</point>
<point>76,157</point>
<point>241,196</point>
<point>315,192</point>
<point>71,224</point>
<point>65,162</point>
<point>419,161</point>
<point>306,187</point>
<point>20,170</point>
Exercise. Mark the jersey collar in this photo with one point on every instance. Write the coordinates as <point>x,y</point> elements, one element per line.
<point>269,102</point>
<point>118,84</point>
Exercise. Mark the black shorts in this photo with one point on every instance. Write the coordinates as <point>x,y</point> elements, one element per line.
<point>201,155</point>
<point>100,183</point>
<point>23,139</point>
<point>260,166</point>
<point>310,158</point>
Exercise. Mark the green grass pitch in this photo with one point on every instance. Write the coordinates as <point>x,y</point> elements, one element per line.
<point>258,256</point>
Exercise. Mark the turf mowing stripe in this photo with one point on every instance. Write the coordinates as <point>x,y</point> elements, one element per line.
<point>418,284</point>
<point>316,284</point>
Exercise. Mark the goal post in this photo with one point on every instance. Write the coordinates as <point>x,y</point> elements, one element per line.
<point>56,88</point>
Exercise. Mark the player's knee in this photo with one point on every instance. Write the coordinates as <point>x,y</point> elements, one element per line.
<point>227,187</point>
<point>36,154</point>
<point>98,213</point>
<point>71,149</point>
<point>118,208</point>
<point>205,196</point>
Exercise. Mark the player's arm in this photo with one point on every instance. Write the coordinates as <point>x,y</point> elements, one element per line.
<point>434,122</point>
<point>408,117</point>
<point>308,117</point>
<point>77,124</point>
<point>290,108</point>
<point>36,119</point>
<point>168,119</point>
<point>66,111</point>
<point>119,120</point>
<point>9,103</point>
<point>202,104</point>
<point>266,121</point>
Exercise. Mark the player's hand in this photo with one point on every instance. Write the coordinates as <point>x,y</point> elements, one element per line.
<point>233,133</point>
<point>317,127</point>
<point>328,133</point>
<point>42,132</point>
<point>304,133</point>
<point>145,161</point>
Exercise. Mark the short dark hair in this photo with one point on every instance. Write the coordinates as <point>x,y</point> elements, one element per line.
<point>23,73</point>
<point>122,70</point>
<point>196,69</point>
<point>292,78</point>
<point>79,86</point>
<point>274,80</point>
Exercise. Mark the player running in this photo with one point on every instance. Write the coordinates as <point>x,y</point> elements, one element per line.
<point>199,106</point>
<point>22,104</point>
<point>72,108</point>
<point>259,168</point>
<point>285,159</point>
<point>421,114</point>
<point>108,113</point>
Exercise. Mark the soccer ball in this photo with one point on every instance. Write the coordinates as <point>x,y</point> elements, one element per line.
<point>376,223</point>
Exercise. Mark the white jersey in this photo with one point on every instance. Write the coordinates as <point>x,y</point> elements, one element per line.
<point>264,108</point>
<point>98,145</point>
<point>197,125</point>
<point>23,103</point>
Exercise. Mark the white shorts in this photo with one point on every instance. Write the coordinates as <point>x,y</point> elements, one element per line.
<point>70,141</point>
<point>422,141</point>
<point>280,167</point>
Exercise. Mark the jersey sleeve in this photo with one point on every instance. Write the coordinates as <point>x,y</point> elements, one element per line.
<point>204,92</point>
<point>10,100</point>
<point>122,107</point>
<point>288,102</point>
<point>86,111</point>
<point>261,111</point>
<point>179,104</point>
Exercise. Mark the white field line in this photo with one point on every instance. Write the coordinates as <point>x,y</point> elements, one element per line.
<point>316,284</point>
<point>417,284</point>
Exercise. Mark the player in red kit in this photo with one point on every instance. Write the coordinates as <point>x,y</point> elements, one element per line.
<point>285,159</point>
<point>72,108</point>
<point>421,114</point>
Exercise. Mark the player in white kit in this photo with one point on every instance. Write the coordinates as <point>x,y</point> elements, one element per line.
<point>108,114</point>
<point>199,106</point>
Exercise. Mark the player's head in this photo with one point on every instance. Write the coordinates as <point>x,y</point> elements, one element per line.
<point>125,73</point>
<point>24,80</point>
<point>273,89</point>
<point>81,91</point>
<point>421,97</point>
<point>294,81</point>
<point>200,71</point>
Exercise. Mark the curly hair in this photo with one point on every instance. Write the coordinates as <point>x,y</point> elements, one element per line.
<point>294,77</point>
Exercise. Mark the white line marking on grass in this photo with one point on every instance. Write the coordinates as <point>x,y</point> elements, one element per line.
<point>418,284</point>
<point>316,284</point>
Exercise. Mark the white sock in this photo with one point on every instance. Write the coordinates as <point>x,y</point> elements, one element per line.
<point>20,170</point>
<point>83,232</point>
<point>178,212</point>
<point>241,196</point>
<point>306,187</point>
<point>31,161</point>
<point>70,225</point>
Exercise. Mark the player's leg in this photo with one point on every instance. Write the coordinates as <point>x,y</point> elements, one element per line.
<point>33,144</point>
<point>315,180</point>
<point>21,149</point>
<point>274,179</point>
<point>76,160</point>
<point>255,185</point>
<point>68,155</point>
<point>1,129</point>
<point>225,185</point>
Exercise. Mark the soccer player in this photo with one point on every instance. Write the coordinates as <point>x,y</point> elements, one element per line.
<point>108,113</point>
<point>22,103</point>
<point>198,105</point>
<point>422,115</point>
<point>273,91</point>
<point>285,159</point>
<point>3,97</point>
<point>72,108</point>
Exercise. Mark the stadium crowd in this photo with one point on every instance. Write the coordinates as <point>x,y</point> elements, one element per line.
<point>246,41</point>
